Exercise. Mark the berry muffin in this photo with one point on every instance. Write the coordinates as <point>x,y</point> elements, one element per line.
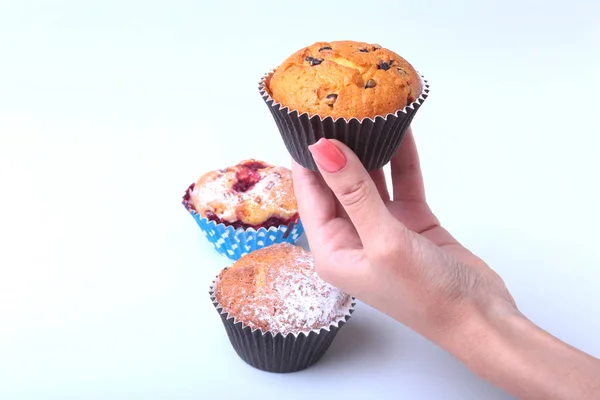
<point>245,207</point>
<point>279,315</point>
<point>359,93</point>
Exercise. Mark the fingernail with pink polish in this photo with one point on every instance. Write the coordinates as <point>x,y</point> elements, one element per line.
<point>327,155</point>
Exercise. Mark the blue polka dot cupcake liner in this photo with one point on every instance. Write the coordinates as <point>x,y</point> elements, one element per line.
<point>236,243</point>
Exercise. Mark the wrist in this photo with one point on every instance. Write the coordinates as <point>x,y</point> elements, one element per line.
<point>487,342</point>
<point>502,346</point>
<point>481,329</point>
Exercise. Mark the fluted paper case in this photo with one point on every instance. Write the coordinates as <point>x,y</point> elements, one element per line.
<point>374,140</point>
<point>274,352</point>
<point>236,243</point>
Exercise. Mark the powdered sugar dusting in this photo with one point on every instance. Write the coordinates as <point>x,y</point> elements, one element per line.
<point>216,190</point>
<point>301,299</point>
<point>288,297</point>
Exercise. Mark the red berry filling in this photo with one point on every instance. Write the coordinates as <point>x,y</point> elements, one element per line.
<point>254,165</point>
<point>247,176</point>
<point>272,221</point>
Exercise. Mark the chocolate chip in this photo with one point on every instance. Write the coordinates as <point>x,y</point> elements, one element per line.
<point>363,50</point>
<point>376,47</point>
<point>309,59</point>
<point>330,99</point>
<point>370,84</point>
<point>383,65</point>
<point>316,61</point>
<point>325,48</point>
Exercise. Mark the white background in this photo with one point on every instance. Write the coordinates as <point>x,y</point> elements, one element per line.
<point>109,110</point>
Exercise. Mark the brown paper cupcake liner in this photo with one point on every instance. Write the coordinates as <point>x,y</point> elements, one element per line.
<point>374,140</point>
<point>275,352</point>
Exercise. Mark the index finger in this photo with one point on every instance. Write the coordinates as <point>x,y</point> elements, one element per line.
<point>407,178</point>
<point>316,203</point>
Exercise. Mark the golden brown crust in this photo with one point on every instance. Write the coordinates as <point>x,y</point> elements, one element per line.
<point>345,79</point>
<point>270,196</point>
<point>277,289</point>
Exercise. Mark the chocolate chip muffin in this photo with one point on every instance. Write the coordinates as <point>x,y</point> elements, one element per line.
<point>358,93</point>
<point>345,79</point>
<point>279,315</point>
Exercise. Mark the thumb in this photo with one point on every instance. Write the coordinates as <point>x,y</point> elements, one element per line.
<point>352,185</point>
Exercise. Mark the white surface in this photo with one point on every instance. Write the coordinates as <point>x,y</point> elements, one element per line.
<point>109,111</point>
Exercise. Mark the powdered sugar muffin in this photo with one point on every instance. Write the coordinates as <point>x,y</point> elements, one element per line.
<point>277,289</point>
<point>245,207</point>
<point>251,194</point>
<point>275,297</point>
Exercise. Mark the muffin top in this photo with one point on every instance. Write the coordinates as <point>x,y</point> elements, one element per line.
<point>276,289</point>
<point>345,79</point>
<point>251,194</point>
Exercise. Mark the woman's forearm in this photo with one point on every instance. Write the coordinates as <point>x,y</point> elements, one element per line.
<point>516,355</point>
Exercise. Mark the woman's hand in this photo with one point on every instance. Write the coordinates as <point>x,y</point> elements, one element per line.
<point>391,252</point>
